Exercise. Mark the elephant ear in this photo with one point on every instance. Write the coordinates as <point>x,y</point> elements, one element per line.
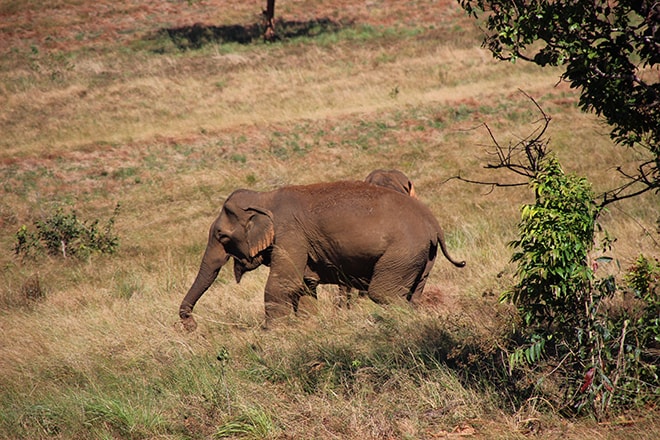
<point>411,190</point>
<point>260,230</point>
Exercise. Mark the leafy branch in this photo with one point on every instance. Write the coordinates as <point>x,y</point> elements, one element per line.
<point>610,51</point>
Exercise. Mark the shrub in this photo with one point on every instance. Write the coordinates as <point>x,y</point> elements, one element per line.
<point>556,235</point>
<point>62,233</point>
<point>607,356</point>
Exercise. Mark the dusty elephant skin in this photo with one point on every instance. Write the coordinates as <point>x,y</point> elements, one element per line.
<point>348,233</point>
<point>392,179</point>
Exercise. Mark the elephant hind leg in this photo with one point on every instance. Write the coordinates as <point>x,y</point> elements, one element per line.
<point>388,290</point>
<point>420,283</point>
<point>392,282</point>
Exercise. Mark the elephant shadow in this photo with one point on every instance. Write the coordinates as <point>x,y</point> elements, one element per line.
<point>199,35</point>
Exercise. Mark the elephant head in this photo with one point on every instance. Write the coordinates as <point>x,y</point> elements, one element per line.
<point>392,179</point>
<point>242,231</point>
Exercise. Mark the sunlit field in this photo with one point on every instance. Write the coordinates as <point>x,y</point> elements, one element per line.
<point>106,103</point>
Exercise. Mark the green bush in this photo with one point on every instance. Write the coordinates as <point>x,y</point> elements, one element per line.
<point>556,235</point>
<point>64,234</point>
<point>606,352</point>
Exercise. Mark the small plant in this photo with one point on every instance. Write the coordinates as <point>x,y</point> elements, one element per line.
<point>644,278</point>
<point>556,235</point>
<point>62,233</point>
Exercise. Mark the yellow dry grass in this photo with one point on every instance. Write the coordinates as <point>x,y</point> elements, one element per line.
<point>166,97</point>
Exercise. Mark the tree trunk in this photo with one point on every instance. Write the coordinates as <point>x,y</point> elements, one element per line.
<point>269,16</point>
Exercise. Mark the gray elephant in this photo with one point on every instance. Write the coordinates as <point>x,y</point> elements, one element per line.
<point>393,179</point>
<point>348,233</point>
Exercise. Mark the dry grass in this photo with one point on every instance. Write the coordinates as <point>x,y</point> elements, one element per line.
<point>94,116</point>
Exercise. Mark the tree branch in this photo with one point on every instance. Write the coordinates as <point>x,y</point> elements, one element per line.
<point>491,184</point>
<point>643,176</point>
<point>522,158</point>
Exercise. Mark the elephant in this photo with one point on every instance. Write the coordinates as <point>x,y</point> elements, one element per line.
<point>393,179</point>
<point>350,233</point>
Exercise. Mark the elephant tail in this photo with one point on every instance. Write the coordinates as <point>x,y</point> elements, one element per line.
<point>443,247</point>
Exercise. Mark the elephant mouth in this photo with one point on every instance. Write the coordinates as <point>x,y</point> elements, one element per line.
<point>243,265</point>
<point>251,263</point>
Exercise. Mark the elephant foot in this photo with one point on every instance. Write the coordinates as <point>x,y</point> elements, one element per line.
<point>189,324</point>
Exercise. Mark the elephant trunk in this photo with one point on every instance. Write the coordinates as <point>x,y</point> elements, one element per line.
<point>214,258</point>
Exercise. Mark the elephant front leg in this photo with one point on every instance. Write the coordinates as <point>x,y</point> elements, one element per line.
<point>281,297</point>
<point>284,287</point>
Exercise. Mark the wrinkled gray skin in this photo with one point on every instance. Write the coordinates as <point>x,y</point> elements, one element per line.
<point>348,233</point>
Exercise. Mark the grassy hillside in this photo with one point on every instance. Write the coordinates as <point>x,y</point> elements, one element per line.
<point>129,102</point>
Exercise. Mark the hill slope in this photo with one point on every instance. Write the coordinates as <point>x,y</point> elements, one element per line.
<point>118,102</point>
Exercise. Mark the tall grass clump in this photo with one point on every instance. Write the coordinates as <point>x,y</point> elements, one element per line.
<point>251,423</point>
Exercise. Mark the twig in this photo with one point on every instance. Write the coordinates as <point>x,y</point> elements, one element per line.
<point>644,177</point>
<point>533,148</point>
<point>477,182</point>
<point>619,358</point>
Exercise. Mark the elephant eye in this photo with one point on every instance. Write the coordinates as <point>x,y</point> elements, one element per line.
<point>222,237</point>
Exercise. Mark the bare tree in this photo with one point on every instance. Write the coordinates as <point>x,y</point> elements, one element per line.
<point>269,21</point>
